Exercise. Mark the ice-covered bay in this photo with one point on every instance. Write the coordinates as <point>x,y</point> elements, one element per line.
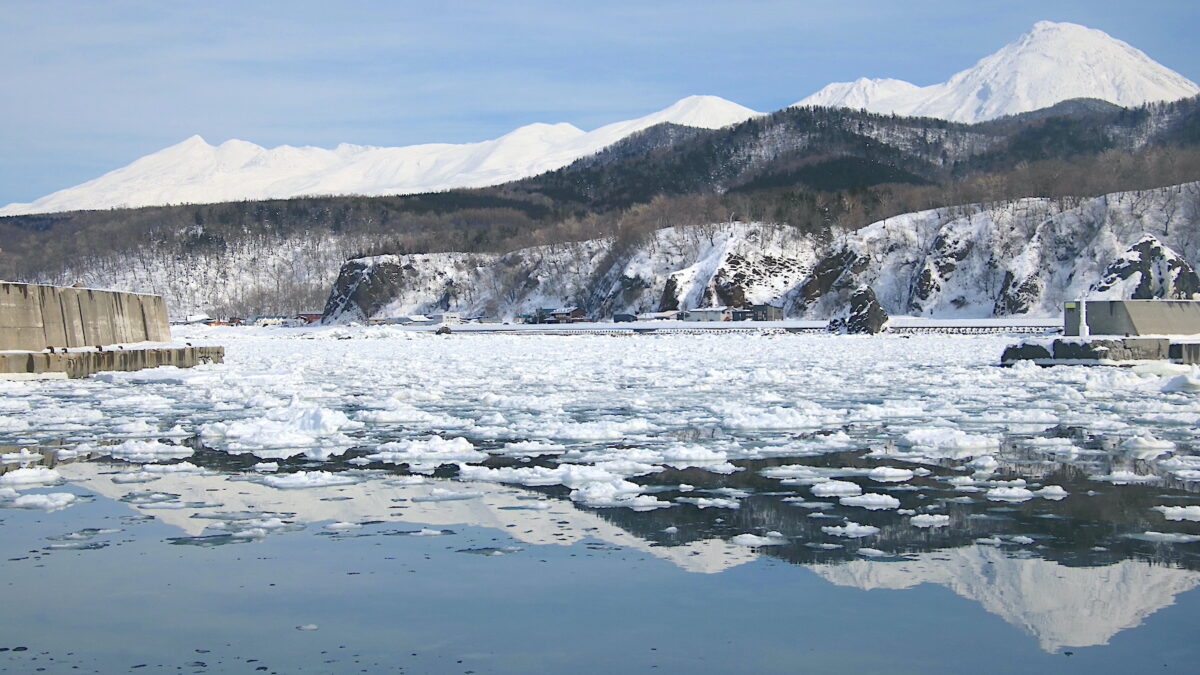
<point>711,453</point>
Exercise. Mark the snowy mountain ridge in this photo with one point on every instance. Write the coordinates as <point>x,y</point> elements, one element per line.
<point>1051,63</point>
<point>195,171</point>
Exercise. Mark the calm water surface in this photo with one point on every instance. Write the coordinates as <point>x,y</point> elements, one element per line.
<point>654,504</point>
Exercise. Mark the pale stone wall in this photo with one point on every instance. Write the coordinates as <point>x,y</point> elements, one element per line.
<point>34,318</point>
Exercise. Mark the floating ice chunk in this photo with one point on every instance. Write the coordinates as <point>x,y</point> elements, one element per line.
<point>435,449</point>
<point>135,450</point>
<point>427,532</point>
<point>793,472</point>
<point>871,501</point>
<point>446,495</point>
<point>22,456</point>
<point>1179,512</point>
<point>136,429</point>
<point>532,449</point>
<point>55,501</point>
<point>771,538</point>
<point>1052,492</point>
<point>836,488</point>
<point>806,504</point>
<point>284,432</point>
<point>683,457</point>
<point>176,468</point>
<point>134,477</point>
<point>36,475</point>
<point>1127,477</point>
<point>9,424</point>
<point>1183,383</point>
<point>308,627</point>
<point>989,541</point>
<point>307,479</point>
<point>711,502</point>
<point>671,530</point>
<point>1167,537</point>
<point>888,474</point>
<point>1021,539</point>
<point>851,530</point>
<point>872,553</point>
<point>342,526</point>
<point>950,443</point>
<point>984,464</point>
<point>1009,494</point>
<point>930,520</point>
<point>1146,446</point>
<point>266,467</point>
<point>616,493</point>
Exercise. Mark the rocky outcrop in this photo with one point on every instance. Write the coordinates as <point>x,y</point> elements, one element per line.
<point>863,314</point>
<point>1148,270</point>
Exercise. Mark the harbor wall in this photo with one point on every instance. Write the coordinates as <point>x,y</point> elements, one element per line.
<point>35,318</point>
<point>1135,317</point>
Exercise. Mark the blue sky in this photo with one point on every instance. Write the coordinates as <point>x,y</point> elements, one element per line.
<point>91,86</point>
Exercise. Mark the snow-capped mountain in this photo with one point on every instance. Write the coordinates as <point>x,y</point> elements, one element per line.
<point>1051,63</point>
<point>196,172</point>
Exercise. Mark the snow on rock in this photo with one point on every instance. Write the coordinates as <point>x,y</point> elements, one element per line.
<point>677,268</point>
<point>195,172</point>
<point>1053,62</point>
<point>1148,270</point>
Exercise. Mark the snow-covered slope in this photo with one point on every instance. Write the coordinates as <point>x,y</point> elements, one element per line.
<point>196,172</point>
<point>1022,257</point>
<point>676,268</point>
<point>1051,63</point>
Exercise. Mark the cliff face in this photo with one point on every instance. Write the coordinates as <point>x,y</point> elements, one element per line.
<point>1021,257</point>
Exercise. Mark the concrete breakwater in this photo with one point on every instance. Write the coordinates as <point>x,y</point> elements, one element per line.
<point>55,332</point>
<point>44,365</point>
<point>35,318</point>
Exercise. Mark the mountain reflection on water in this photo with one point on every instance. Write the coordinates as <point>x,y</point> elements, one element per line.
<point>1062,500</point>
<point>1069,572</point>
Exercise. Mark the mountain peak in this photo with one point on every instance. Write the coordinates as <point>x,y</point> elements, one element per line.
<point>1051,63</point>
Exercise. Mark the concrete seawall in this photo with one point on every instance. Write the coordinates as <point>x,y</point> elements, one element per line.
<point>54,332</point>
<point>34,318</point>
<point>43,365</point>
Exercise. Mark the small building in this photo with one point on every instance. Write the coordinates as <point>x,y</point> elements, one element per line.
<point>624,318</point>
<point>1134,317</point>
<point>310,317</point>
<point>708,314</point>
<point>561,315</point>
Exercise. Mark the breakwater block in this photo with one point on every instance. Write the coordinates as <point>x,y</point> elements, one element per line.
<point>15,365</point>
<point>1104,351</point>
